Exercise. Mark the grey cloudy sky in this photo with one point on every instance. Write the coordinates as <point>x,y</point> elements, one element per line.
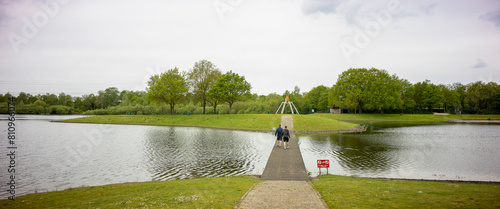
<point>80,47</point>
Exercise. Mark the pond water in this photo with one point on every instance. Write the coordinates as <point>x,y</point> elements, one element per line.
<point>395,150</point>
<point>55,156</point>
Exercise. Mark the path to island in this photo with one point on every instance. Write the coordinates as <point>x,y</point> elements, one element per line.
<point>286,183</point>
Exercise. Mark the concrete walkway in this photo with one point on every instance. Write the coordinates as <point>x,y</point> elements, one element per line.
<point>286,164</point>
<point>286,182</point>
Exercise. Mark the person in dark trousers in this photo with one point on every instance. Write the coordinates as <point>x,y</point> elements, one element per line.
<point>279,134</point>
<point>286,137</point>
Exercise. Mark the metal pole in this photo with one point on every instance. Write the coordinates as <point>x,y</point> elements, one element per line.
<point>295,108</point>
<point>279,108</point>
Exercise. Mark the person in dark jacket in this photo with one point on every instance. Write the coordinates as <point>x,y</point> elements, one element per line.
<point>279,134</point>
<point>286,137</point>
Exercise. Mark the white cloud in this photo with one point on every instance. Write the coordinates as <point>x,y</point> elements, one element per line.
<point>480,64</point>
<point>320,6</point>
<point>493,17</point>
<point>276,45</point>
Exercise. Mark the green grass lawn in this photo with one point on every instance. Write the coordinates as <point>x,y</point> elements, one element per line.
<point>403,117</point>
<point>351,192</point>
<point>253,122</point>
<point>223,192</point>
<point>317,122</point>
<point>265,122</point>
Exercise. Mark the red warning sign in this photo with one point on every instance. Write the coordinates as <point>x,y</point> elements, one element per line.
<point>323,163</point>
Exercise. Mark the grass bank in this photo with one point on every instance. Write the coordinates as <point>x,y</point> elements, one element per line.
<point>351,192</point>
<point>265,122</point>
<point>403,117</point>
<point>252,122</point>
<point>223,192</point>
<point>319,123</point>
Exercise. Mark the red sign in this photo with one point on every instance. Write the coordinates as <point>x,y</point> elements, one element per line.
<point>323,163</point>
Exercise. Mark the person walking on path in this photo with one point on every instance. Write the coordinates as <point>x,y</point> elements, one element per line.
<point>286,137</point>
<point>279,134</point>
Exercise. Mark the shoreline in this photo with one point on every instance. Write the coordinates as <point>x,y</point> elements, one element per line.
<point>170,125</point>
<point>350,130</point>
<point>239,123</point>
<point>492,121</point>
<point>417,180</point>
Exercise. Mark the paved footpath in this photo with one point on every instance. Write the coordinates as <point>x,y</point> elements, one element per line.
<point>286,182</point>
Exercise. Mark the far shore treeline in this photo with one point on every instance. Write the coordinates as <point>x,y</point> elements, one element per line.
<point>204,89</point>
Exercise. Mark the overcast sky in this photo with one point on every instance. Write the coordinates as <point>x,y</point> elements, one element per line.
<point>79,47</point>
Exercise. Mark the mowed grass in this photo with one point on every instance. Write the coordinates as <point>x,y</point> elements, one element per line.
<point>352,192</point>
<point>316,122</point>
<point>265,122</point>
<point>222,192</point>
<point>252,122</point>
<point>404,117</point>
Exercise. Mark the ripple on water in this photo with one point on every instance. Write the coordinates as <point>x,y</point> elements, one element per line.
<point>451,151</point>
<point>65,155</point>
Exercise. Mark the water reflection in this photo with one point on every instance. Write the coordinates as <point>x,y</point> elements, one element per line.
<point>57,156</point>
<point>174,152</point>
<point>450,151</point>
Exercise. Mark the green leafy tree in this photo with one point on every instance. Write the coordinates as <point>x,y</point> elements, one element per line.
<point>215,96</point>
<point>111,97</point>
<point>461,91</point>
<point>451,98</point>
<point>351,89</point>
<point>50,99</point>
<point>40,103</point>
<point>407,95</point>
<point>65,100</point>
<point>432,97</point>
<point>202,77</point>
<point>373,89</point>
<point>22,98</point>
<point>384,90</point>
<point>317,98</point>
<point>169,87</point>
<point>89,102</point>
<point>230,87</point>
<point>78,104</point>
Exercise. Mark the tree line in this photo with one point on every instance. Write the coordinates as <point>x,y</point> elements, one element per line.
<point>373,90</point>
<point>204,89</point>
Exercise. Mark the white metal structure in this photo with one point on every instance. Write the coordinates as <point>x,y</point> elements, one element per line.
<point>283,106</point>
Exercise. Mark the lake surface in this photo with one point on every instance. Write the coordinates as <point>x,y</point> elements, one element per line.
<point>395,150</point>
<point>55,156</point>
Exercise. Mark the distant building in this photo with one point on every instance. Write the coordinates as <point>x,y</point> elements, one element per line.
<point>336,110</point>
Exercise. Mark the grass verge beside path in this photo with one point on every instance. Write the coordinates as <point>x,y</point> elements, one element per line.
<point>221,192</point>
<point>252,122</point>
<point>404,117</point>
<point>351,192</point>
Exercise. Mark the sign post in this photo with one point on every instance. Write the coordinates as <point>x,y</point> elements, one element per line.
<point>323,164</point>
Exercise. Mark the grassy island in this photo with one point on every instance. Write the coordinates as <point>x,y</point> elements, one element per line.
<point>250,122</point>
<point>265,122</point>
